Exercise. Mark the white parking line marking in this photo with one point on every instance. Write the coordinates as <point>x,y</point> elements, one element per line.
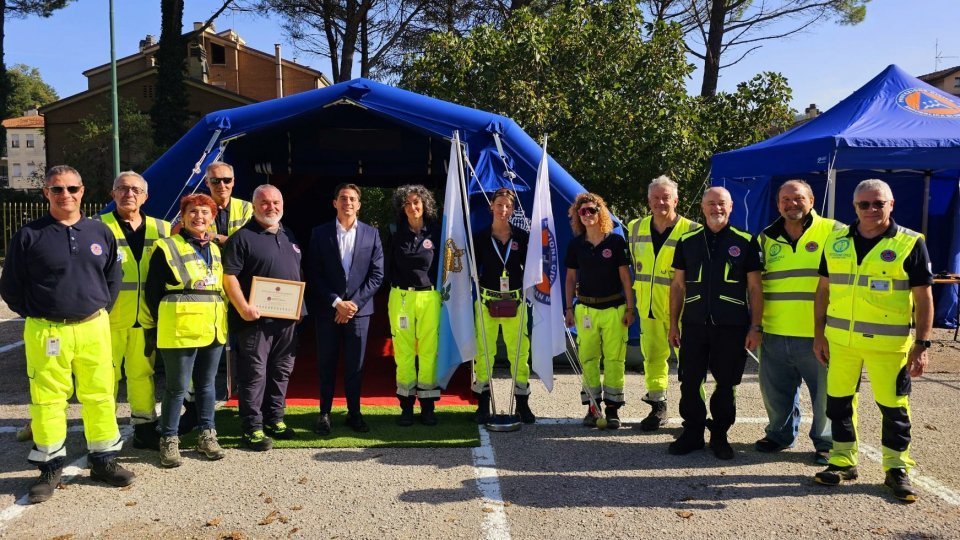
<point>70,472</point>
<point>494,526</point>
<point>6,348</point>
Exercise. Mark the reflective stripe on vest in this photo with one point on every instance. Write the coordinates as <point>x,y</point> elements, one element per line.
<point>652,275</point>
<point>130,306</point>
<point>790,279</point>
<point>871,305</point>
<point>193,312</point>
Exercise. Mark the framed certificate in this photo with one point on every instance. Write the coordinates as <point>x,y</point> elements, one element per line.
<point>276,298</point>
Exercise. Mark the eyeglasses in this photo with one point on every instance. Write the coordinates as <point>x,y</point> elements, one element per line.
<point>132,189</point>
<point>865,205</point>
<point>58,190</point>
<point>588,210</point>
<point>226,180</point>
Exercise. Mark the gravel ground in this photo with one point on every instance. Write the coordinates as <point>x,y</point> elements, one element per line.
<point>557,480</point>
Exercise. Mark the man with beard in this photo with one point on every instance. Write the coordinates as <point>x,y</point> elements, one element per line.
<point>718,271</point>
<point>266,346</point>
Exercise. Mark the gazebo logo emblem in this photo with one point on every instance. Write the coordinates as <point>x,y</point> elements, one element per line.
<point>927,103</point>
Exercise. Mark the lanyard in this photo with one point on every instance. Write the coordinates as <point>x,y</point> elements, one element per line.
<point>205,255</point>
<point>497,251</point>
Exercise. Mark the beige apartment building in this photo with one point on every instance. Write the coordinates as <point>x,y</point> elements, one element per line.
<point>25,158</point>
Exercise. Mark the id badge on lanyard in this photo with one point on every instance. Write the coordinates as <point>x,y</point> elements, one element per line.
<point>504,277</point>
<point>504,281</point>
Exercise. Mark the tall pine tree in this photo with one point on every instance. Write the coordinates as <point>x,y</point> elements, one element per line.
<point>169,112</point>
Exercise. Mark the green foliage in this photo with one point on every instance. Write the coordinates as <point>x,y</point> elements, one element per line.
<point>169,112</point>
<point>91,152</point>
<point>27,90</point>
<point>613,103</point>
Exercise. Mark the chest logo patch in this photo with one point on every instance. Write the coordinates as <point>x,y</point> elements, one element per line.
<point>296,248</point>
<point>734,251</point>
<point>811,246</point>
<point>514,245</point>
<point>888,255</point>
<point>775,250</point>
<point>841,245</point>
<point>96,249</point>
<point>607,253</point>
<point>427,244</point>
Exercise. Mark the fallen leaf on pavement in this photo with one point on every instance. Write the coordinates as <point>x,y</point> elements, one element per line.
<point>268,500</point>
<point>487,509</point>
<point>283,519</point>
<point>296,508</point>
<point>232,535</point>
<point>931,427</point>
<point>609,514</point>
<point>130,503</point>
<point>302,480</point>
<point>293,531</point>
<point>213,522</point>
<point>63,537</point>
<point>271,517</point>
<point>685,514</point>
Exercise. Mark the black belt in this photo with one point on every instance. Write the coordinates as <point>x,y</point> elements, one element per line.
<point>490,294</point>
<point>599,299</point>
<point>426,288</point>
<point>201,292</point>
<point>88,318</point>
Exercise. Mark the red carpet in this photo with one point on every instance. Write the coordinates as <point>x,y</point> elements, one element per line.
<point>379,370</point>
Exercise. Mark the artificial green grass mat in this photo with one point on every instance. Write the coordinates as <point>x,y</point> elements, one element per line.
<point>456,429</point>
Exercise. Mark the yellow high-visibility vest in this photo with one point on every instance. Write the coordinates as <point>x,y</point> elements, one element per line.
<point>653,274</point>
<point>790,278</point>
<point>130,306</point>
<point>239,213</point>
<point>870,304</point>
<point>193,312</point>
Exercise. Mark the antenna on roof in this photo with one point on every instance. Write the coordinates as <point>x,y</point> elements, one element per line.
<point>938,55</point>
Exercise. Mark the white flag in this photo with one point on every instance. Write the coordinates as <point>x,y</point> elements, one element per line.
<point>458,341</point>
<point>541,280</point>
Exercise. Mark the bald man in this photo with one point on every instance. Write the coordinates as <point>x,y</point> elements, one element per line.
<point>718,275</point>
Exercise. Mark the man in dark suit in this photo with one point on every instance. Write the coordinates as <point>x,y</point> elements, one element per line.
<point>344,271</point>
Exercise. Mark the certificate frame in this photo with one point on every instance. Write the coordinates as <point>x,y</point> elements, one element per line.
<point>275,298</point>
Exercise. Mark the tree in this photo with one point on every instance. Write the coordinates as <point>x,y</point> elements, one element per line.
<point>18,9</point>
<point>714,27</point>
<point>27,90</point>
<point>612,101</point>
<point>169,113</point>
<point>91,149</point>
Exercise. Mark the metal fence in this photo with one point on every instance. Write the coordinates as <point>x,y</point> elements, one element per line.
<point>18,214</point>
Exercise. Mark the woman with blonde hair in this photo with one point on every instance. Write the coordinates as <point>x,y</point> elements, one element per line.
<point>597,273</point>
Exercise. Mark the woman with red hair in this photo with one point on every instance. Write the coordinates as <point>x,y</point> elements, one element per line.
<point>184,292</point>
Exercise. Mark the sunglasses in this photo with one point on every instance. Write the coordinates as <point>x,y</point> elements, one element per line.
<point>226,180</point>
<point>588,210</point>
<point>864,205</point>
<point>58,190</point>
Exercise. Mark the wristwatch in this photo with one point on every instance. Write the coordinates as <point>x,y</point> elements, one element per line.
<point>925,343</point>
<point>757,327</point>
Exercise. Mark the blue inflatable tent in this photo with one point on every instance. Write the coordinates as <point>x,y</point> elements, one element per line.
<point>896,128</point>
<point>358,131</point>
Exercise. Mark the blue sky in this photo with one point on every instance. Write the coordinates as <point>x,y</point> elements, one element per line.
<point>823,65</point>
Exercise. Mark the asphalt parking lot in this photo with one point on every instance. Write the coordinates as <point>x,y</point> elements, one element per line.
<point>554,479</point>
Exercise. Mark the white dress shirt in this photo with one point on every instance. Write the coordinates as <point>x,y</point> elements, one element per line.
<point>346,240</point>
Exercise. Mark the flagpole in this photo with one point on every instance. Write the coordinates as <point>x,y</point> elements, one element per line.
<point>465,198</point>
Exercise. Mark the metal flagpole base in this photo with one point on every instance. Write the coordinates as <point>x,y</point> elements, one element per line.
<point>504,422</point>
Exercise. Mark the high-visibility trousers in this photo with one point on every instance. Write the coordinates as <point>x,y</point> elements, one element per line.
<point>82,355</point>
<point>890,381</point>
<point>128,358</point>
<point>514,331</point>
<point>600,332</point>
<point>415,327</point>
<point>656,351</point>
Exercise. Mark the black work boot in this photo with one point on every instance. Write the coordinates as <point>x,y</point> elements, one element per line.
<point>523,409</point>
<point>146,437</point>
<point>613,416</point>
<point>406,411</point>
<point>657,417</point>
<point>687,442</point>
<point>188,420</point>
<point>720,445</point>
<point>898,481</point>
<point>428,416</point>
<point>50,473</point>
<point>483,407</point>
<point>110,472</point>
<point>834,474</point>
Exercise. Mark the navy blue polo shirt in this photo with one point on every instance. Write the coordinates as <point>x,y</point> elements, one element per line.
<point>411,257</point>
<point>255,251</point>
<point>61,272</point>
<point>598,267</point>
<point>492,254</point>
